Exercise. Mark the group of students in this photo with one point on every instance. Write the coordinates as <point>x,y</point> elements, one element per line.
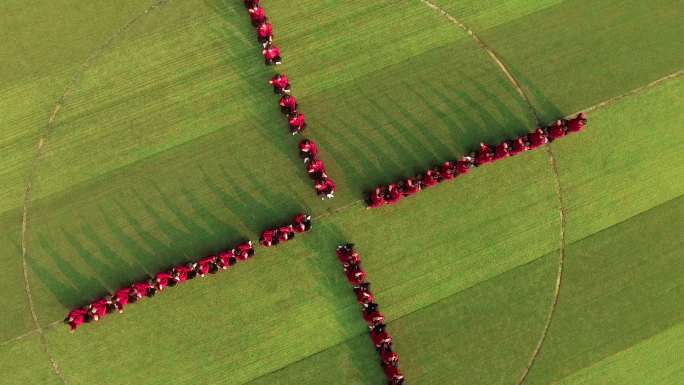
<point>324,186</point>
<point>389,360</point>
<point>271,237</point>
<point>148,288</point>
<point>448,170</point>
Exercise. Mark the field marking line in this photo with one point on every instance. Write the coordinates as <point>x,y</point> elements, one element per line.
<point>492,55</point>
<point>75,80</point>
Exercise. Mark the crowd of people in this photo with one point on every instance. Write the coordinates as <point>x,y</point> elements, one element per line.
<point>324,186</point>
<point>176,275</point>
<point>271,237</point>
<point>382,340</point>
<point>392,193</point>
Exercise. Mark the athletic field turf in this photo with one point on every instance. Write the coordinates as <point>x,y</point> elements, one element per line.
<point>136,135</point>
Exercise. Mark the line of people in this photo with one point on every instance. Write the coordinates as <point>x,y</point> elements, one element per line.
<point>137,291</point>
<point>382,340</point>
<point>486,154</point>
<point>271,237</point>
<point>324,186</point>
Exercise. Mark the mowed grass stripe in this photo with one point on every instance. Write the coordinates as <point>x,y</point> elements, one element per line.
<point>653,361</point>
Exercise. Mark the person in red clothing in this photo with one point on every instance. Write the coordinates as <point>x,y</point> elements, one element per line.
<point>301,223</point>
<point>484,156</point>
<point>555,131</point>
<point>288,104</point>
<point>389,358</point>
<point>271,54</point>
<point>393,194</point>
<point>325,188</point>
<point>76,318</point>
<point>373,317</point>
<point>268,238</point>
<point>141,290</point>
<point>307,150</point>
<point>376,198</point>
<point>446,171</point>
<point>363,294</point>
<point>464,164</point>
<point>296,122</point>
<point>181,273</point>
<point>226,259</point>
<point>410,186</point>
<point>316,169</point>
<point>394,376</point>
<point>381,339</point>
<point>429,178</point>
<point>98,309</point>
<point>244,250</point>
<point>121,298</point>
<point>162,280</point>
<point>265,32</point>
<point>576,124</point>
<point>501,151</point>
<point>519,145</point>
<point>206,265</point>
<point>355,274</point>
<point>251,3</point>
<point>256,14</point>
<point>280,83</point>
<point>285,233</point>
<point>537,138</point>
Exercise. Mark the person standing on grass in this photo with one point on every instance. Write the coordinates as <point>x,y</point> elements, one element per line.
<point>464,164</point>
<point>316,169</point>
<point>268,238</point>
<point>484,156</point>
<point>537,138</point>
<point>519,145</point>
<point>555,131</point>
<point>376,198</point>
<point>265,33</point>
<point>301,223</point>
<point>244,251</point>
<point>297,123</point>
<point>501,151</point>
<point>288,104</point>
<point>256,14</point>
<point>576,124</point>
<point>76,318</point>
<point>271,54</point>
<point>280,83</point>
<point>307,150</point>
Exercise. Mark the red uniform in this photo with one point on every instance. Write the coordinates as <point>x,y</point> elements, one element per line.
<point>374,318</point>
<point>180,273</point>
<point>484,156</point>
<point>265,31</point>
<point>285,233</point>
<point>301,223</point>
<point>226,259</point>
<point>389,357</point>
<point>363,297</point>
<point>76,318</point>
<point>325,186</point>
<point>316,169</point>
<point>121,298</point>
<point>501,151</point>
<point>537,138</point>
<point>308,149</point>
<point>288,104</point>
<point>204,265</point>
<point>393,374</point>
<point>556,131</point>
<point>280,83</point>
<point>518,146</point>
<point>382,339</point>
<point>577,124</point>
<point>429,179</point>
<point>356,276</point>
<point>140,289</point>
<point>463,165</point>
<point>257,14</point>
<point>411,186</point>
<point>99,308</point>
<point>446,171</point>
<point>244,250</point>
<point>162,280</point>
<point>376,198</point>
<point>271,54</point>
<point>267,237</point>
<point>393,194</point>
<point>297,123</point>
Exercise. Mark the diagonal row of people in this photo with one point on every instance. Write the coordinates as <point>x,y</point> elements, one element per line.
<point>382,340</point>
<point>394,192</point>
<point>324,186</point>
<point>117,301</point>
<point>271,237</point>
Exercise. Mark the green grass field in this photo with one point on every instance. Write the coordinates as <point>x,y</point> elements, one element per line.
<point>141,134</point>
